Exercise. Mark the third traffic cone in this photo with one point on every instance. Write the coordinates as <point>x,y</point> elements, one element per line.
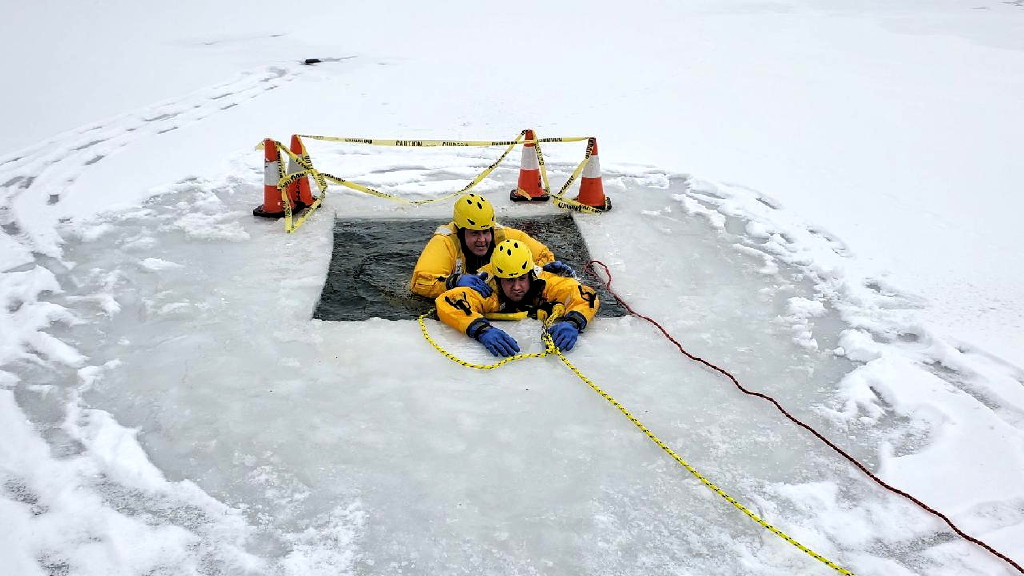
<point>591,185</point>
<point>299,191</point>
<point>272,206</point>
<point>530,188</point>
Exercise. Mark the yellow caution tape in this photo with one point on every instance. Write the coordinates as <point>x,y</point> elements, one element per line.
<point>559,199</point>
<point>433,143</point>
<point>322,178</point>
<point>550,348</point>
<point>543,170</point>
<point>290,223</point>
<point>309,212</point>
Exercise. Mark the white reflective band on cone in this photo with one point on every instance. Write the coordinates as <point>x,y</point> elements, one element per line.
<point>593,168</point>
<point>294,166</point>
<point>271,173</point>
<point>530,161</point>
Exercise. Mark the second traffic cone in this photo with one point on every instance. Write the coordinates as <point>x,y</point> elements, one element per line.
<point>299,191</point>
<point>591,185</point>
<point>529,188</point>
<point>272,206</point>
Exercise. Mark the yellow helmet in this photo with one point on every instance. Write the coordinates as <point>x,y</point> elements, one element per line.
<point>474,212</point>
<point>511,259</point>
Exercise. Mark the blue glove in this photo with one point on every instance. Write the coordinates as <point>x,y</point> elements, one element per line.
<point>498,342</point>
<point>476,283</point>
<point>560,268</point>
<point>564,335</point>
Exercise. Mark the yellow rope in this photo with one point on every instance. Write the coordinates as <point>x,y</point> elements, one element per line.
<point>550,348</point>
<point>457,360</point>
<point>693,470</point>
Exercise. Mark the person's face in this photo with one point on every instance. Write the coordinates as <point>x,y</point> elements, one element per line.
<point>479,241</point>
<point>515,288</point>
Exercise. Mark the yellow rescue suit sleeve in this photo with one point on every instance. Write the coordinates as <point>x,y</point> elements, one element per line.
<point>568,292</point>
<point>436,263</point>
<point>460,307</point>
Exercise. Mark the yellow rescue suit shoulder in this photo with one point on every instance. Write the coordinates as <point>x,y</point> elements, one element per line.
<point>571,295</point>
<point>441,257</point>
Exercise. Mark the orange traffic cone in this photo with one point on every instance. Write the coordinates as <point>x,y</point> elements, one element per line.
<point>298,191</point>
<point>530,188</point>
<point>272,206</point>
<point>591,185</point>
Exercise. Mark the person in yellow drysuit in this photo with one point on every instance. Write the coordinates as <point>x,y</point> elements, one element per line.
<point>458,249</point>
<point>565,305</point>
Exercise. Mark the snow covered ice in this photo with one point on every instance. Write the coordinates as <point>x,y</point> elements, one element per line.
<point>169,406</point>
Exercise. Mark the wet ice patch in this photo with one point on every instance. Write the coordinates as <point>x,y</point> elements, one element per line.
<point>212,227</point>
<point>91,233</point>
<point>655,215</point>
<point>658,180</point>
<point>105,296</point>
<point>206,217</point>
<point>770,266</point>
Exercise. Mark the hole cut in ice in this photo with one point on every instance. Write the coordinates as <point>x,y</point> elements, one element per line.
<point>372,262</point>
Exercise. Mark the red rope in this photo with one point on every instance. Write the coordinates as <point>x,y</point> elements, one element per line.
<point>589,268</point>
